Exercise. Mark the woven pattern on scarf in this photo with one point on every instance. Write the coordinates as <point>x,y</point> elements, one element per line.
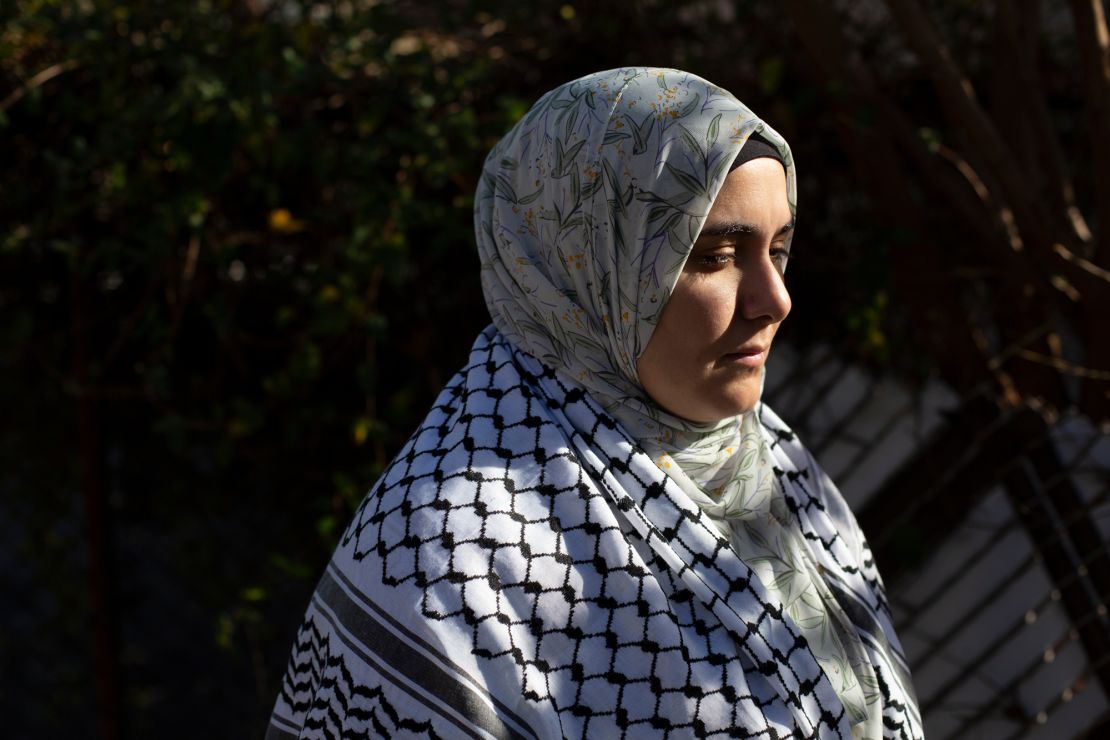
<point>524,569</point>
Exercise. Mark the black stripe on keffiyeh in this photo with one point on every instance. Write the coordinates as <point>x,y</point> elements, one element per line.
<point>870,629</point>
<point>324,695</point>
<point>281,729</point>
<point>455,694</point>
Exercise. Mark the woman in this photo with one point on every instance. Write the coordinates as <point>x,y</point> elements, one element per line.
<point>599,530</point>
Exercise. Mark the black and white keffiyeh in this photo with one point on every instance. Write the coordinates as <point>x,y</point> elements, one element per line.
<point>523,568</point>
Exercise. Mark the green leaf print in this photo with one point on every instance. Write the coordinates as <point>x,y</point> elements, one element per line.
<point>563,157</point>
<point>689,107</point>
<point>611,180</point>
<point>530,197</point>
<point>718,169</point>
<point>755,535</point>
<point>575,188</point>
<point>612,137</point>
<point>583,341</point>
<point>505,188</point>
<point>714,129</point>
<point>870,681</point>
<point>591,189</point>
<point>641,132</point>
<point>808,623</point>
<point>571,120</point>
<point>541,105</point>
<point>569,224</point>
<point>749,457</point>
<point>688,181</point>
<point>676,243</point>
<point>531,327</point>
<point>691,143</point>
<point>669,224</point>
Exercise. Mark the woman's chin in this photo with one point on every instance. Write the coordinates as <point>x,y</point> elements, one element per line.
<point>725,406</point>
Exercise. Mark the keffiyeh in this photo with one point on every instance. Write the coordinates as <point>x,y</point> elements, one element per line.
<point>553,555</point>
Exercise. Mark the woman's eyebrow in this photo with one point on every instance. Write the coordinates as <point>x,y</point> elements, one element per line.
<point>729,228</point>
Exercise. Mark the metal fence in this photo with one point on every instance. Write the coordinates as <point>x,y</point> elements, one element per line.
<point>990,527</point>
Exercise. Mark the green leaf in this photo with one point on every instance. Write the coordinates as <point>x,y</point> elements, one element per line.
<point>558,156</point>
<point>719,169</point>
<point>525,200</point>
<point>506,189</point>
<point>656,213</point>
<point>689,107</point>
<point>691,143</point>
<point>641,132</point>
<point>711,134</point>
<point>611,178</point>
<point>688,181</point>
<point>564,156</point>
<point>571,120</point>
<point>669,224</point>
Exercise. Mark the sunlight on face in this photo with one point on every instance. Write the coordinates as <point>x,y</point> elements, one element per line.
<point>705,359</point>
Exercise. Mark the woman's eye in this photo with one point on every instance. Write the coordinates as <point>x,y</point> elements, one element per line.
<point>780,255</point>
<point>715,259</point>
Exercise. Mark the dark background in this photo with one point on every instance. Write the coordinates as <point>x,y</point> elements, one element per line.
<point>237,263</point>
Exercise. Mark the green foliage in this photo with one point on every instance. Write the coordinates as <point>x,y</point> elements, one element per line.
<point>262,221</point>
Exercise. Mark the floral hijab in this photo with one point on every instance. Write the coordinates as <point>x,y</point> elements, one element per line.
<point>587,211</point>
<point>586,214</point>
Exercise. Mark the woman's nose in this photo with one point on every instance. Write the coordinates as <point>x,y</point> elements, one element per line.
<point>763,295</point>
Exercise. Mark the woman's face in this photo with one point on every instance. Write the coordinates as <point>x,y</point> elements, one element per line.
<point>705,358</point>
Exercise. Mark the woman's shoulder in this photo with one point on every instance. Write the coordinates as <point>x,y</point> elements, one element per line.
<point>487,449</point>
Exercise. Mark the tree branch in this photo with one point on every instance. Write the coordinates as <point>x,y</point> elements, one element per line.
<point>1094,61</point>
<point>38,80</point>
<point>959,98</point>
<point>1018,28</point>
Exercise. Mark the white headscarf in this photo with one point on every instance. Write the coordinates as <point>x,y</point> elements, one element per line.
<point>587,211</point>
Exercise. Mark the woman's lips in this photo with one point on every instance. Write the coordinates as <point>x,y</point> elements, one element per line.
<point>747,358</point>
